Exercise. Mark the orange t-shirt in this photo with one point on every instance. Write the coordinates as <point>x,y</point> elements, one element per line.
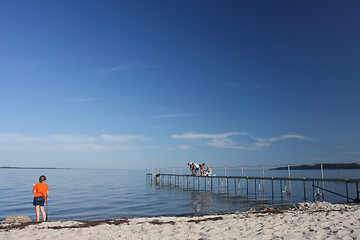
<point>41,189</point>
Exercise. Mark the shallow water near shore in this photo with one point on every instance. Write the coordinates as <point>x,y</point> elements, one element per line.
<point>82,194</point>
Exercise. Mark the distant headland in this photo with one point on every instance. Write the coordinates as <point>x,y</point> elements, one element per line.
<point>318,166</point>
<point>6,167</point>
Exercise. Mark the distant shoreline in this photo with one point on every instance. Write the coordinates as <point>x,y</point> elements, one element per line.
<point>318,166</point>
<point>34,168</point>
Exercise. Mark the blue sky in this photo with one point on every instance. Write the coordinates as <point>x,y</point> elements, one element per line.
<point>147,84</point>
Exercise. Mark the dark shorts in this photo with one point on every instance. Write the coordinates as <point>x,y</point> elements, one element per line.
<point>39,201</point>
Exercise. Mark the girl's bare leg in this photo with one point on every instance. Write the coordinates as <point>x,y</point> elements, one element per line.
<point>37,212</point>
<point>43,213</point>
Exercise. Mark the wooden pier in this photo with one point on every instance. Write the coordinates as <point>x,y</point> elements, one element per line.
<point>255,186</point>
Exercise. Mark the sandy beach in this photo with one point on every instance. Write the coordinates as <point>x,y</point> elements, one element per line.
<point>319,220</point>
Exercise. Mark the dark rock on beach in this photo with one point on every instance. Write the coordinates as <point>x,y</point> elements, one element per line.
<point>17,219</point>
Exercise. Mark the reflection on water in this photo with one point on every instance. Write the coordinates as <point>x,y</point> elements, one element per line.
<point>216,202</point>
<point>200,201</point>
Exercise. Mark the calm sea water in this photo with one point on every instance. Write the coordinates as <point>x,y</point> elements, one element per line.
<point>102,194</point>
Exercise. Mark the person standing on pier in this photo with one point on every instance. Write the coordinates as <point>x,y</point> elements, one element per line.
<point>191,165</point>
<point>202,169</point>
<point>196,168</point>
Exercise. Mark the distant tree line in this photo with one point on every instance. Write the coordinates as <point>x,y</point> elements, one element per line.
<point>318,166</point>
<point>33,168</point>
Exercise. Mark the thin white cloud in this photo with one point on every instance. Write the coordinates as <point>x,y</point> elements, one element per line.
<point>36,63</point>
<point>216,140</point>
<point>14,137</point>
<point>13,142</point>
<point>224,140</point>
<point>206,136</point>
<point>131,65</point>
<point>287,136</point>
<point>184,147</point>
<point>82,99</point>
<point>123,138</point>
<point>237,85</point>
<point>72,138</point>
<point>175,115</point>
<point>115,119</point>
<point>352,153</point>
<point>158,127</point>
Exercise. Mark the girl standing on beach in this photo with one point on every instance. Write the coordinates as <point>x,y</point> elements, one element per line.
<point>41,194</point>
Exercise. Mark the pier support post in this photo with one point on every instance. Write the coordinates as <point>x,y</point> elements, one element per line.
<point>219,184</point>
<point>198,183</point>
<point>272,188</point>
<point>247,185</point>
<point>235,185</point>
<point>227,185</point>
<point>242,175</point>
<point>157,177</point>
<point>347,192</point>
<point>255,187</point>
<point>263,183</point>
<point>304,190</point>
<point>313,184</point>
<point>289,179</point>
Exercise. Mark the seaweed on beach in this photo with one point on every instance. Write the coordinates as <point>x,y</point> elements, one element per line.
<point>8,227</point>
<point>205,219</point>
<point>158,222</point>
<point>83,224</point>
<point>268,210</point>
<point>86,224</point>
<point>271,210</point>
